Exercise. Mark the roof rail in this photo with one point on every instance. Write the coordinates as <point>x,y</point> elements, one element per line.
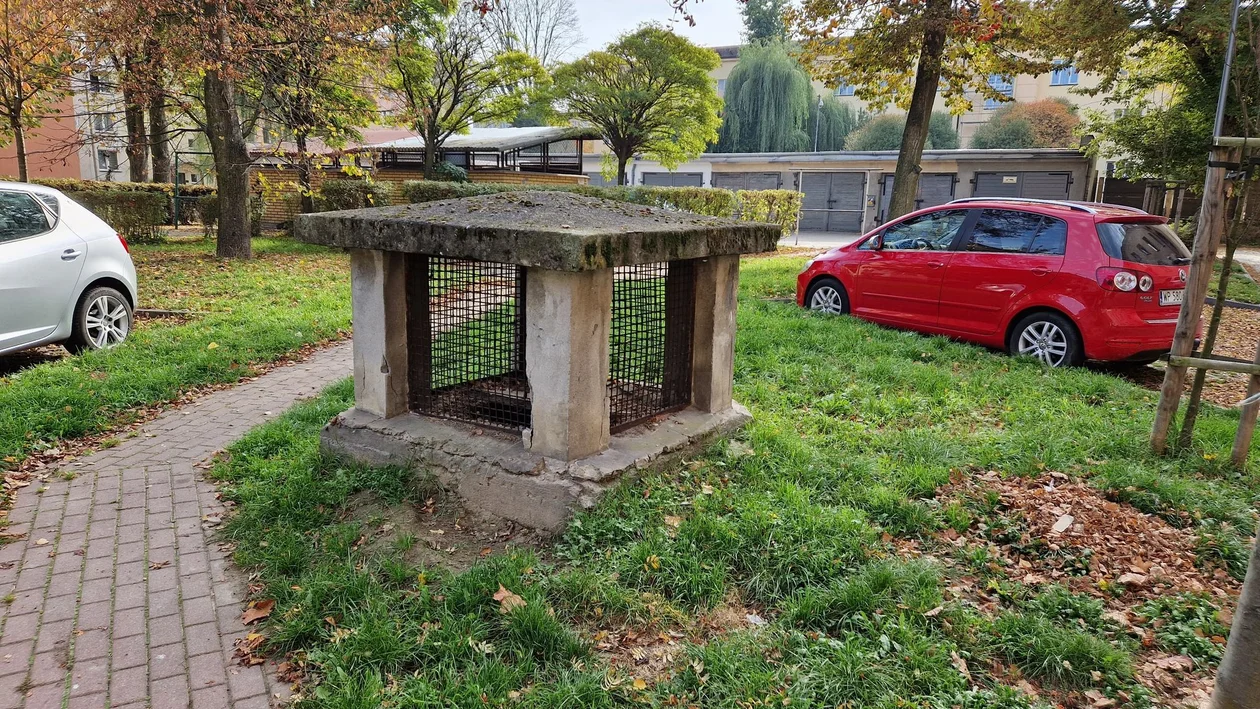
<point>1024,200</point>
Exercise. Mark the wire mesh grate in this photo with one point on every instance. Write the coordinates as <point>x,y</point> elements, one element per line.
<point>466,330</point>
<point>649,370</point>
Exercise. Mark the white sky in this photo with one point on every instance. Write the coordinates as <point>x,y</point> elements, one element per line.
<point>718,22</point>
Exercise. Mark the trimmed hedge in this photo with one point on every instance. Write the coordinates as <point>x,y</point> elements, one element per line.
<point>780,207</point>
<point>67,185</point>
<point>137,215</point>
<point>338,194</point>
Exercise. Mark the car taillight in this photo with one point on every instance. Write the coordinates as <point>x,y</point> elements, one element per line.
<point>124,243</point>
<point>1124,280</point>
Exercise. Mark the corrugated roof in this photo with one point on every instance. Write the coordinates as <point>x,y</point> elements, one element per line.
<point>496,139</point>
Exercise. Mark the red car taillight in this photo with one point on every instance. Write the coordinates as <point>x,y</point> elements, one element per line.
<point>124,243</point>
<point>1122,279</point>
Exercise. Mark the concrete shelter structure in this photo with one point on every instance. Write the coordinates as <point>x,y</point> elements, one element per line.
<point>529,348</point>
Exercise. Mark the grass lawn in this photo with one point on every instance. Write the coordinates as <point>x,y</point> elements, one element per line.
<point>1241,287</point>
<point>253,312</point>
<point>770,572</point>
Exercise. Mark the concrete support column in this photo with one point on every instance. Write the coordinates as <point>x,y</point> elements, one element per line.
<point>378,286</point>
<point>713,349</point>
<point>567,319</point>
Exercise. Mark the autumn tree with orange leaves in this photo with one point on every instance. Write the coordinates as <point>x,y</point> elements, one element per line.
<point>37,56</point>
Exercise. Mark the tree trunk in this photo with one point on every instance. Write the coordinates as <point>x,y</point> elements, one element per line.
<point>231,164</point>
<point>159,140</point>
<point>19,145</point>
<point>1186,436</point>
<point>621,168</point>
<point>430,152</point>
<point>918,118</point>
<point>1238,677</point>
<point>304,174</point>
<point>137,135</point>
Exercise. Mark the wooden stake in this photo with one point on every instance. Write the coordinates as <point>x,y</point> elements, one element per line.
<point>1247,420</point>
<point>1206,240</point>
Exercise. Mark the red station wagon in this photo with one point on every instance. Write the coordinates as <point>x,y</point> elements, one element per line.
<point>1060,281</point>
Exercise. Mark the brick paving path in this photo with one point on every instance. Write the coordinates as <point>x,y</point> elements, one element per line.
<point>128,603</point>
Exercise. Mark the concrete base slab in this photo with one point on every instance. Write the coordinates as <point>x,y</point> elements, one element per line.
<point>494,474</point>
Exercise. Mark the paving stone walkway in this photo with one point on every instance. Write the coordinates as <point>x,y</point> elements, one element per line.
<point>119,597</point>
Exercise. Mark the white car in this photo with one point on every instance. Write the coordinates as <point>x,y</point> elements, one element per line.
<point>65,276</point>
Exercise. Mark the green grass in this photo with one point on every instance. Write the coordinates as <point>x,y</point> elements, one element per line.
<point>1241,287</point>
<point>256,311</point>
<point>855,428</point>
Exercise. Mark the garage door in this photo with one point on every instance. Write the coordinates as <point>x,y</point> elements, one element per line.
<point>748,180</point>
<point>597,179</point>
<point>673,179</point>
<point>1029,185</point>
<point>833,201</point>
<point>934,188</point>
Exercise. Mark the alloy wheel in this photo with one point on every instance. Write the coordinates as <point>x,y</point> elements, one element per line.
<point>1045,341</point>
<point>106,322</point>
<point>827,299</point>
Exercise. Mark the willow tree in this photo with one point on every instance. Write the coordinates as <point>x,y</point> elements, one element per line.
<point>836,121</point>
<point>768,103</point>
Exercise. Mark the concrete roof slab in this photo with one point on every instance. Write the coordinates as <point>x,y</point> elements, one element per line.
<point>562,231</point>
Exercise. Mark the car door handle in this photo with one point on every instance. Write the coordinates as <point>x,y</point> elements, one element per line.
<point>936,264</point>
<point>1041,271</point>
<point>70,254</point>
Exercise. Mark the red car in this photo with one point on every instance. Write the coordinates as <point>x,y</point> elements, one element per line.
<point>1060,281</point>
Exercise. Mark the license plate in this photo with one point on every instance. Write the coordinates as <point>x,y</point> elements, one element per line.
<point>1171,297</point>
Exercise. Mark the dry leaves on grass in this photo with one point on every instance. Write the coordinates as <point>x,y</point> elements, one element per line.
<point>257,610</point>
<point>508,601</point>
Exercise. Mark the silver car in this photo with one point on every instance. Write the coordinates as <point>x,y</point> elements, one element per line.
<point>65,276</point>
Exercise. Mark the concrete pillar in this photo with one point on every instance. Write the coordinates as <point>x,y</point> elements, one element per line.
<point>378,281</point>
<point>567,319</point>
<point>713,349</point>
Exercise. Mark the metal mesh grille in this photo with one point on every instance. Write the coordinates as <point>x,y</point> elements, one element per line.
<point>649,370</point>
<point>466,323</point>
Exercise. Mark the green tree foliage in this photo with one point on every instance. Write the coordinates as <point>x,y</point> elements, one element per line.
<point>450,79</point>
<point>836,121</point>
<point>900,53</point>
<point>763,21</point>
<point>768,103</point>
<point>885,132</point>
<point>1048,123</point>
<point>648,93</point>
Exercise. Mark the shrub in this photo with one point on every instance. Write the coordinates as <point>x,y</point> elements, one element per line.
<point>414,191</point>
<point>334,195</point>
<point>208,209</point>
<point>448,171</point>
<point>137,215</point>
<point>782,207</point>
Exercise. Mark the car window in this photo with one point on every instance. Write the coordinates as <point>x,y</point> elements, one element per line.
<point>20,216</point>
<point>1011,232</point>
<point>1139,242</point>
<point>934,231</point>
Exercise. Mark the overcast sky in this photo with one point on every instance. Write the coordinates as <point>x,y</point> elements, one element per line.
<point>718,22</point>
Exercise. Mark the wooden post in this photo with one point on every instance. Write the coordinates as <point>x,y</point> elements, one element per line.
<point>1206,240</point>
<point>1247,420</point>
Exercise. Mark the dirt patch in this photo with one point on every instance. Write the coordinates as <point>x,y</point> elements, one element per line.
<point>1053,529</point>
<point>437,533</point>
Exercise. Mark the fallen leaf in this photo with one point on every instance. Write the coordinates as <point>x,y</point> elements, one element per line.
<point>639,684</point>
<point>257,610</point>
<point>508,600</point>
<point>40,542</point>
<point>159,565</point>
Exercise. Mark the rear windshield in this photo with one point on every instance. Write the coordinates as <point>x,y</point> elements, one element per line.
<point>1143,242</point>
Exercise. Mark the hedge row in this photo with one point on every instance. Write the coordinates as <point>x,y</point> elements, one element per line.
<point>780,207</point>
<point>137,214</point>
<point>67,185</point>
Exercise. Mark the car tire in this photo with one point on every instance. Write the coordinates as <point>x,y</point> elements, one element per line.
<point>827,295</point>
<point>102,319</point>
<point>1048,337</point>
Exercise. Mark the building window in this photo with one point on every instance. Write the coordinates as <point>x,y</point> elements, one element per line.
<point>845,90</point>
<point>1004,85</point>
<point>96,83</point>
<point>107,160</point>
<point>721,87</point>
<point>103,123</point>
<point>1064,75</point>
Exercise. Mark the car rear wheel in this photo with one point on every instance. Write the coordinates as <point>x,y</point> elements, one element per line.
<point>101,320</point>
<point>826,295</point>
<point>1049,337</point>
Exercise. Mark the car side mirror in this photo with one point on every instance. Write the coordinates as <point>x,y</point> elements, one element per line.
<point>877,243</point>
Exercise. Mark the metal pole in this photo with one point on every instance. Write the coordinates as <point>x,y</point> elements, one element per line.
<point>175,190</point>
<point>818,118</point>
<point>1229,63</point>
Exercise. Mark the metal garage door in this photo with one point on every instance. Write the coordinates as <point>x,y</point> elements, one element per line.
<point>673,179</point>
<point>833,201</point>
<point>934,188</point>
<point>597,179</point>
<point>748,180</point>
<point>1029,185</point>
